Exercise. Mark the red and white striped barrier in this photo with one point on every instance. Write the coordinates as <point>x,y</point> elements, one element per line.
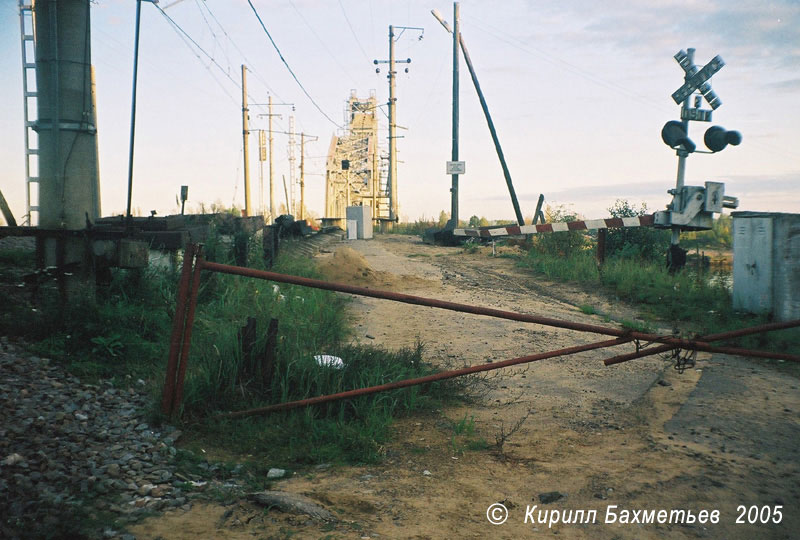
<point>585,225</point>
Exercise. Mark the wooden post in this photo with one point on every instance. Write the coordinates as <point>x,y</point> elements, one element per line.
<point>270,354</point>
<point>601,246</point>
<point>245,145</point>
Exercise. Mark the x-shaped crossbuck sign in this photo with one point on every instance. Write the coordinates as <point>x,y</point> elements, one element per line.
<point>696,79</point>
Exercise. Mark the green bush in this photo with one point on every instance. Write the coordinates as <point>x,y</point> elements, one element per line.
<point>561,244</point>
<point>417,227</point>
<point>645,243</point>
<point>475,222</point>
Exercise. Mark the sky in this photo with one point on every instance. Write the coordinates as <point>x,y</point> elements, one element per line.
<point>578,92</point>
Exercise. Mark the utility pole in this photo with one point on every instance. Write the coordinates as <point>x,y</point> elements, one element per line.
<point>133,107</point>
<point>392,131</point>
<point>454,156</point>
<point>292,162</point>
<point>302,173</point>
<point>271,169</point>
<point>286,193</point>
<point>245,147</point>
<point>376,176</point>
<point>489,122</point>
<point>262,157</point>
<point>272,208</point>
<point>392,179</point>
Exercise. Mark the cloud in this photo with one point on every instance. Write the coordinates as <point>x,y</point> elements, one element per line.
<point>734,185</point>
<point>789,85</point>
<point>754,31</point>
<point>588,192</point>
<point>765,184</point>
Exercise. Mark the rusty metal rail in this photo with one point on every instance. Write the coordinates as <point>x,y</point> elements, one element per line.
<point>741,332</point>
<point>194,264</point>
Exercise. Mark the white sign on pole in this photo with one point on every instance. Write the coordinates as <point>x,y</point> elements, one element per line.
<point>456,167</point>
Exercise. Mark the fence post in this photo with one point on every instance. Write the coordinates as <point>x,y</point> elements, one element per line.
<point>178,322</point>
<point>270,353</point>
<point>601,246</point>
<point>187,332</point>
<point>269,244</point>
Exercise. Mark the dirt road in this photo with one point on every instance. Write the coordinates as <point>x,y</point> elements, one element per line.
<point>638,436</point>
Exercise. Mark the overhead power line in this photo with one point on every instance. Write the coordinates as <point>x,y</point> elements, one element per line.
<point>187,39</point>
<point>322,42</point>
<point>501,35</point>
<point>201,49</point>
<point>246,60</point>
<point>213,33</point>
<point>352,31</point>
<point>285,63</point>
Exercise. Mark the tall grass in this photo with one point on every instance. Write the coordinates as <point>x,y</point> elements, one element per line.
<point>311,322</point>
<point>676,297</point>
<point>696,302</point>
<point>121,333</point>
<point>351,430</point>
<point>222,377</point>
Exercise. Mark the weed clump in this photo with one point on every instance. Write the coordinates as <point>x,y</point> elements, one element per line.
<point>225,375</point>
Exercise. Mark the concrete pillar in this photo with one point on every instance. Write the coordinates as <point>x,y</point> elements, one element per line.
<point>69,190</point>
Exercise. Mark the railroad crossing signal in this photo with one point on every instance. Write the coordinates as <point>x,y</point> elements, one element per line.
<point>692,207</point>
<point>674,132</point>
<point>696,80</point>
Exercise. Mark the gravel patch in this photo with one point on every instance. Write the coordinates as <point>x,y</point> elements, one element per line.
<point>72,453</point>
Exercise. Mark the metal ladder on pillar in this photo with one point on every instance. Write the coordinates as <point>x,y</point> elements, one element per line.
<point>383,196</point>
<point>30,96</point>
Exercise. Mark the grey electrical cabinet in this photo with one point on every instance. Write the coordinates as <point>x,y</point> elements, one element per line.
<point>766,263</point>
<point>363,216</point>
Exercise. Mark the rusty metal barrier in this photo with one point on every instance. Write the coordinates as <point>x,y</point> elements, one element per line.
<point>724,350</point>
<point>187,301</point>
